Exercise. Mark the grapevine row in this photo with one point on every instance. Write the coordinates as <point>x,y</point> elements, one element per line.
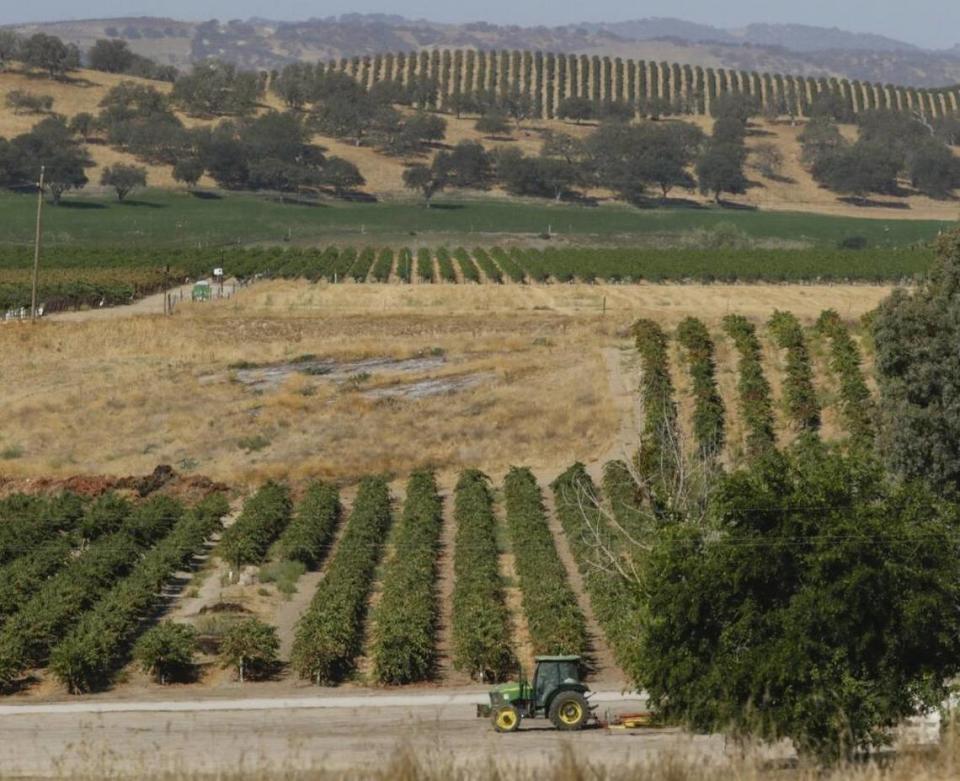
<point>310,531</point>
<point>329,635</point>
<point>799,394</point>
<point>26,521</point>
<point>83,285</point>
<point>708,413</point>
<point>596,550</point>
<point>557,625</point>
<point>547,79</point>
<point>28,635</point>
<point>856,404</point>
<point>658,446</point>
<point>265,515</point>
<point>404,648</point>
<point>66,529</point>
<point>753,390</point>
<point>102,638</point>
<point>481,632</point>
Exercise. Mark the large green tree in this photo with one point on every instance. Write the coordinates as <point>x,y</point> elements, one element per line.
<point>917,334</point>
<point>52,145</point>
<point>818,601</point>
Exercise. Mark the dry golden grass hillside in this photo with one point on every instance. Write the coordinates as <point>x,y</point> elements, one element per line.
<point>794,190</point>
<point>538,375</point>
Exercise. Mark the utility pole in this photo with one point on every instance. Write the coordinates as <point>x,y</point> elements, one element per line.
<point>36,247</point>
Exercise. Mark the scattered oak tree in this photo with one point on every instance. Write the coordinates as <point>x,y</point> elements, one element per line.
<point>428,180</point>
<point>188,170</point>
<point>123,178</point>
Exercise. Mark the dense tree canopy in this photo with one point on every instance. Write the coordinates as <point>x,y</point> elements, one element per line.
<point>817,602</point>
<point>918,371</point>
<point>215,88</point>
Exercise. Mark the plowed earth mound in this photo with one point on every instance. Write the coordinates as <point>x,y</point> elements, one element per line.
<point>163,480</point>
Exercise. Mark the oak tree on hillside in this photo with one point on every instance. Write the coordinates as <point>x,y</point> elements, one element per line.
<point>49,53</point>
<point>52,145</point>
<point>188,170</point>
<point>342,175</point>
<point>123,178</point>
<point>9,47</point>
<point>110,56</point>
<point>428,180</point>
<point>575,108</point>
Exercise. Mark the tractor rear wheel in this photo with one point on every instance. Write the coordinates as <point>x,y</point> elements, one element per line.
<point>569,711</point>
<point>506,718</point>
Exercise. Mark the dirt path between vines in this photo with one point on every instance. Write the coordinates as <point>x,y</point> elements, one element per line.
<point>286,616</point>
<point>446,674</point>
<point>603,665</point>
<point>623,371</point>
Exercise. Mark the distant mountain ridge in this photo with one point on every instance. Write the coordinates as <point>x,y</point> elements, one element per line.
<point>800,38</point>
<point>775,48</point>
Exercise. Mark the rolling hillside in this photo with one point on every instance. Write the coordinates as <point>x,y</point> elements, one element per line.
<point>793,190</point>
<point>260,43</point>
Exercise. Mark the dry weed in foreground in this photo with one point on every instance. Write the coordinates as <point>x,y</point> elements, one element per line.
<point>936,764</point>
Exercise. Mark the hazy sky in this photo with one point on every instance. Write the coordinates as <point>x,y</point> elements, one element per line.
<point>932,23</point>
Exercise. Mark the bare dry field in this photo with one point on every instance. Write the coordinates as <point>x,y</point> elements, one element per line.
<point>291,380</point>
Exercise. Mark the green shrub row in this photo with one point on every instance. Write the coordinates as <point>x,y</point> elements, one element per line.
<point>28,635</point>
<point>99,643</point>
<point>20,578</point>
<point>597,550</point>
<point>384,265</point>
<point>856,404</point>
<point>264,517</point>
<point>753,390</point>
<point>557,625</point>
<point>467,267</point>
<point>800,397</point>
<point>445,263</point>
<point>27,521</point>
<point>481,624</point>
<point>507,264</point>
<point>142,270</point>
<point>405,265</point>
<point>65,524</point>
<point>708,412</point>
<point>310,531</point>
<point>361,269</point>
<point>490,269</point>
<point>405,621</point>
<point>425,265</point>
<point>329,634</point>
<point>658,447</point>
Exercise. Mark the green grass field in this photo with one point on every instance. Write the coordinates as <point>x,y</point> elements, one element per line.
<point>158,218</point>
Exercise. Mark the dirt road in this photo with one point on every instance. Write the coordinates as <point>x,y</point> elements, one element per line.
<point>334,732</point>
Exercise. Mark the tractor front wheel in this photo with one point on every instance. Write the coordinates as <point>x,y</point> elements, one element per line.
<point>569,711</point>
<point>506,718</point>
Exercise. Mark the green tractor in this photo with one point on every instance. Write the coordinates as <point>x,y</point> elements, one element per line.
<point>556,692</point>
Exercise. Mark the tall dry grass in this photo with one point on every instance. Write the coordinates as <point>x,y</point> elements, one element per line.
<point>566,763</point>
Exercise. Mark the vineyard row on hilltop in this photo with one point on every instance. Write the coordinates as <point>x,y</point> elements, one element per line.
<point>549,78</point>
